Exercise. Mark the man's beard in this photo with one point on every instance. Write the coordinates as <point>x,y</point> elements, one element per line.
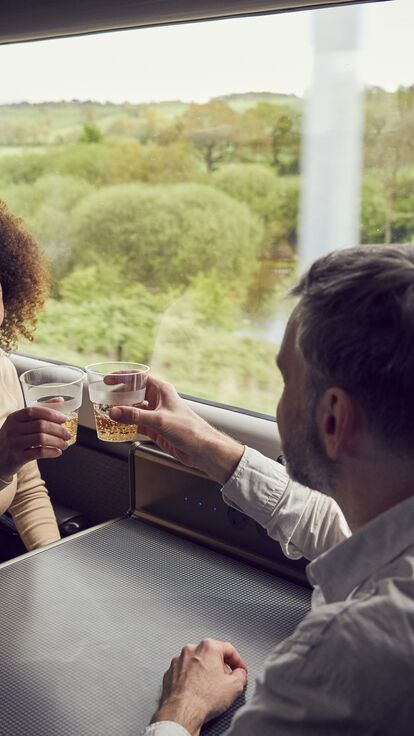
<point>305,456</point>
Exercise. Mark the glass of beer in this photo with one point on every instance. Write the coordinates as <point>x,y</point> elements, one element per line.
<point>115,384</point>
<point>56,387</point>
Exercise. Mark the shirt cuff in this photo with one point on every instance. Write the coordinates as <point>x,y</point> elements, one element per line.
<point>165,728</point>
<point>256,486</point>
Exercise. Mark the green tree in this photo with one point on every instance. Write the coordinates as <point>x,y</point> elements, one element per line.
<point>274,199</point>
<point>167,234</point>
<point>102,315</point>
<point>212,128</point>
<point>90,134</point>
<point>176,162</point>
<point>389,146</point>
<point>22,199</point>
<point>128,160</point>
<point>46,207</point>
<point>84,162</point>
<point>281,131</point>
<point>23,168</point>
<point>124,161</point>
<point>378,223</point>
<point>51,223</point>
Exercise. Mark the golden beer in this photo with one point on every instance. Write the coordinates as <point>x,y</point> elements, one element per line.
<point>71,425</point>
<point>109,430</point>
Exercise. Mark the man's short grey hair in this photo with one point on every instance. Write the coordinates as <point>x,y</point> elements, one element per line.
<point>356,332</point>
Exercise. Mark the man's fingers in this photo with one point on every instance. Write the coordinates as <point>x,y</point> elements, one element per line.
<point>142,405</point>
<point>239,675</point>
<point>111,379</point>
<point>132,415</point>
<point>229,653</point>
<point>232,657</point>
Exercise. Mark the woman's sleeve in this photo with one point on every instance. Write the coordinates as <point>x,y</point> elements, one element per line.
<point>32,510</point>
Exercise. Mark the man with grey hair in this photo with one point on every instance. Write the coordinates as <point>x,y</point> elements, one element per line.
<point>346,421</point>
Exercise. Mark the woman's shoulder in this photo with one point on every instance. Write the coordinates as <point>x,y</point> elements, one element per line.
<point>12,397</point>
<point>8,374</point>
<point>7,369</point>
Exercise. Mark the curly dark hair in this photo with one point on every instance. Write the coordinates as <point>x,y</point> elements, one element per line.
<point>24,278</point>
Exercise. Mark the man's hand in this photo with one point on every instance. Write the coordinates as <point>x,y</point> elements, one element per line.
<point>167,420</point>
<point>31,434</point>
<point>201,683</point>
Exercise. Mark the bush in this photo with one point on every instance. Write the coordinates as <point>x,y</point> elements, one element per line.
<point>167,234</point>
<point>89,162</point>
<point>253,184</point>
<point>46,207</point>
<point>274,199</point>
<point>22,199</point>
<point>388,200</point>
<point>23,168</point>
<point>176,162</point>
<point>101,316</point>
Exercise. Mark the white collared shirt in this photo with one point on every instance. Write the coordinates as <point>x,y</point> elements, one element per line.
<point>349,666</point>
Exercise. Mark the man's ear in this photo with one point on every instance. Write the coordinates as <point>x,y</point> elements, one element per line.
<point>336,418</point>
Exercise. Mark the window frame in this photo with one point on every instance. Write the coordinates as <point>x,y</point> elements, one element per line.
<point>22,20</point>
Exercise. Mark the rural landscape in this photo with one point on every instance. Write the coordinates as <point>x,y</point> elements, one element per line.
<point>171,228</point>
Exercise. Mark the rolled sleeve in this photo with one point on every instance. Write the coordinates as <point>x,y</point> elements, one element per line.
<point>304,522</point>
<point>256,486</point>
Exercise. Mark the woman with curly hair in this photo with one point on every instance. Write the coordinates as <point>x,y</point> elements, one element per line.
<point>26,434</point>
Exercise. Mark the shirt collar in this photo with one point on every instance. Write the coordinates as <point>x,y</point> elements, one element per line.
<point>347,565</point>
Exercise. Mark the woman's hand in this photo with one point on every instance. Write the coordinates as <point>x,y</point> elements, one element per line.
<point>31,434</point>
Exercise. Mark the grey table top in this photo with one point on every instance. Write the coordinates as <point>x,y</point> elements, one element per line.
<point>88,627</point>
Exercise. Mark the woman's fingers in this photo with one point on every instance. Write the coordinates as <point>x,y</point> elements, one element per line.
<point>34,413</point>
<point>40,453</point>
<point>39,439</point>
<point>44,427</point>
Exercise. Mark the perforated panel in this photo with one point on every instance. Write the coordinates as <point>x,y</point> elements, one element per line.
<point>89,481</point>
<point>87,628</point>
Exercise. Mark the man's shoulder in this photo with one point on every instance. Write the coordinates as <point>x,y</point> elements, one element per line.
<point>349,663</point>
<point>375,625</point>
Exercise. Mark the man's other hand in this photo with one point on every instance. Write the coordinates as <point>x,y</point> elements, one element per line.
<point>166,419</point>
<point>200,684</point>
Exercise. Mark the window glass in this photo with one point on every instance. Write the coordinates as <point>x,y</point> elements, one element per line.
<point>179,178</point>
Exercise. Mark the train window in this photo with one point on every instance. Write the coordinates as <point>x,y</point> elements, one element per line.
<point>178,177</point>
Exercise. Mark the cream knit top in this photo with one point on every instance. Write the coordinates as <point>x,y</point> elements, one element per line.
<point>25,496</point>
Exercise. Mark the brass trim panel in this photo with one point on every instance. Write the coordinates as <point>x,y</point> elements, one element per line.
<point>149,501</point>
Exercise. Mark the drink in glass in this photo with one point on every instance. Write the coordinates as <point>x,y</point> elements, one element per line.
<point>115,384</point>
<point>56,387</point>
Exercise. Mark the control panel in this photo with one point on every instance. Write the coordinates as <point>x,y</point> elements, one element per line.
<point>166,493</point>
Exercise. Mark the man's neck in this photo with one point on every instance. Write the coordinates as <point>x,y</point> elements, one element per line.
<point>368,488</point>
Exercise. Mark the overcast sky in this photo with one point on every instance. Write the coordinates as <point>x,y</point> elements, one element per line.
<point>195,62</point>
